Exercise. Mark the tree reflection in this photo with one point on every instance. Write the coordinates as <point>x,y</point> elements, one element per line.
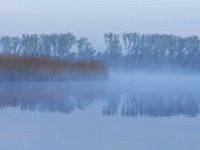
<point>67,97</point>
<point>160,105</point>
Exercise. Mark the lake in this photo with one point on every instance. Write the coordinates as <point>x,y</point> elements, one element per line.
<point>143,111</point>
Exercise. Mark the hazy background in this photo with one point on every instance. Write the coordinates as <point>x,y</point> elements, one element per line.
<point>93,18</point>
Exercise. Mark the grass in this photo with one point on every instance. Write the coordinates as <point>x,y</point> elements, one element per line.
<point>39,68</point>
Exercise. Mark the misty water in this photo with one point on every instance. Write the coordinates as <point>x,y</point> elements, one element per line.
<point>143,111</point>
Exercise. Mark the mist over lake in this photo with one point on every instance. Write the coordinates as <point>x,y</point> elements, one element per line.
<point>127,111</point>
<point>99,75</point>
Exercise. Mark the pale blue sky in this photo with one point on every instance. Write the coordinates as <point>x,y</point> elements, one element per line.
<point>92,18</point>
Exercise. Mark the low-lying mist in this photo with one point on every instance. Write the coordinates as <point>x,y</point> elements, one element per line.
<point>125,94</point>
<point>147,81</point>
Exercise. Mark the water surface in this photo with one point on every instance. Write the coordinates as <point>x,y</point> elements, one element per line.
<point>129,111</point>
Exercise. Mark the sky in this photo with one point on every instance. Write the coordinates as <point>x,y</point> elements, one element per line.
<point>93,18</point>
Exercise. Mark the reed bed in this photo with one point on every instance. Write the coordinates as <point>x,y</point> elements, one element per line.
<point>41,68</point>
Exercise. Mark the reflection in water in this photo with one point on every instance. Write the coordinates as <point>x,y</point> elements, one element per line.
<point>152,105</point>
<point>65,97</point>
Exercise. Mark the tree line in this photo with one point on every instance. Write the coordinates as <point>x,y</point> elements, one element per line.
<point>48,45</point>
<point>123,51</point>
